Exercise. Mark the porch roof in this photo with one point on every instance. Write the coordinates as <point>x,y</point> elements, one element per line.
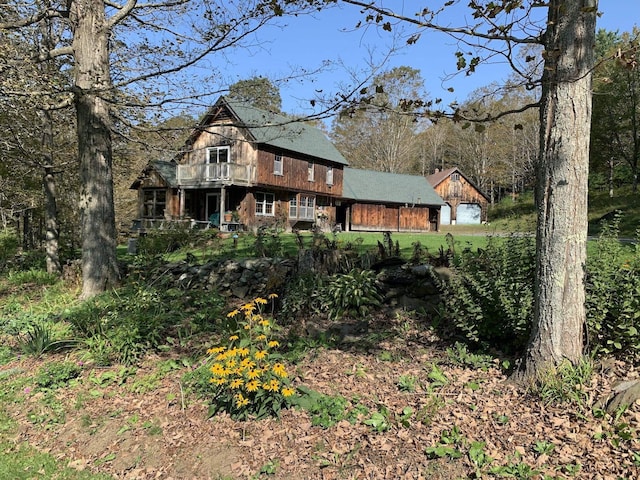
<point>166,170</point>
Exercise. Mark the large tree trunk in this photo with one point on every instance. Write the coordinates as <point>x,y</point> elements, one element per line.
<point>93,83</point>
<point>561,190</point>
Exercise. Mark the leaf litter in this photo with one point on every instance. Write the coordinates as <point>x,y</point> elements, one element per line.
<point>164,433</point>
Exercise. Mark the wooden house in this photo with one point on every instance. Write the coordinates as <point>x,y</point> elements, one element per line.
<point>381,201</point>
<point>244,167</point>
<point>465,203</point>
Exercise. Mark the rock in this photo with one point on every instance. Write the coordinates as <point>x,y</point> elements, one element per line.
<point>626,394</point>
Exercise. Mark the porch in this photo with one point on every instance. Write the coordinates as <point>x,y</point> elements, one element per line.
<point>212,174</point>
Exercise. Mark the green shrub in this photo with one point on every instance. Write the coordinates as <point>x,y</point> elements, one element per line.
<point>268,242</point>
<point>160,242</point>
<point>39,340</point>
<point>613,296</point>
<point>33,276</point>
<point>354,293</point>
<point>123,325</point>
<point>57,374</point>
<point>489,298</point>
<point>303,297</point>
<point>8,247</point>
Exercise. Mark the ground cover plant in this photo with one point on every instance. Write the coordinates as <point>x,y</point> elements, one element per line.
<point>412,395</point>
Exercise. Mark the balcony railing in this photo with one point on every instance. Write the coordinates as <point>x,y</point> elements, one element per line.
<point>224,173</point>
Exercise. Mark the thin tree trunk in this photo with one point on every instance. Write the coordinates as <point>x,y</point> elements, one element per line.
<point>52,232</point>
<point>562,185</point>
<point>93,82</point>
<point>611,165</point>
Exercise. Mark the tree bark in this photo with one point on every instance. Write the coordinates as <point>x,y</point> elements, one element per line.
<point>92,84</point>
<point>562,186</point>
<point>52,232</point>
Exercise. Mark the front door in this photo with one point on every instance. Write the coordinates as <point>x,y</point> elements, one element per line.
<point>213,208</point>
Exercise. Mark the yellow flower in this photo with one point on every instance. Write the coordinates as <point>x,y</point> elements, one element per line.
<point>217,369</point>
<point>243,352</point>
<point>273,385</point>
<point>279,370</point>
<point>260,301</point>
<point>272,296</point>
<point>253,374</point>
<point>273,344</point>
<point>253,386</point>
<point>261,337</point>
<point>236,383</point>
<point>288,391</point>
<point>247,327</point>
<point>221,357</point>
<point>232,353</point>
<point>218,381</point>
<point>213,351</point>
<point>233,337</point>
<point>231,364</point>
<point>248,308</point>
<point>264,323</point>
<point>233,313</point>
<point>241,401</point>
<point>260,355</point>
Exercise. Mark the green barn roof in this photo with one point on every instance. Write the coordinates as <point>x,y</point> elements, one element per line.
<point>372,186</point>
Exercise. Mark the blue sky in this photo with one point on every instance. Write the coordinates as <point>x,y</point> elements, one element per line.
<point>302,44</point>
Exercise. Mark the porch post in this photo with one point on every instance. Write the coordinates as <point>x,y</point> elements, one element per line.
<point>222,202</point>
<point>181,203</point>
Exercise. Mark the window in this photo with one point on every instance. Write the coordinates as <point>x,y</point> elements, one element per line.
<point>154,203</point>
<point>302,207</point>
<point>310,170</point>
<point>293,206</point>
<point>277,164</point>
<point>307,207</point>
<point>329,175</point>
<point>217,163</point>
<point>264,203</point>
<point>218,155</point>
<point>455,177</point>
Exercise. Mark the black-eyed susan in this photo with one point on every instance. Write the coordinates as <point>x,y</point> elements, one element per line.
<point>216,350</point>
<point>236,383</point>
<point>273,344</point>
<point>288,391</point>
<point>233,313</point>
<point>260,301</point>
<point>241,401</point>
<point>252,386</point>
<point>279,370</point>
<point>272,296</point>
<point>260,354</point>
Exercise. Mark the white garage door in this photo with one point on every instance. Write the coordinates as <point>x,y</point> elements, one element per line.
<point>445,214</point>
<point>468,213</point>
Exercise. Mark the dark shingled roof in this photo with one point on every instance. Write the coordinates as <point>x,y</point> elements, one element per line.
<point>166,170</point>
<point>280,131</point>
<point>372,186</point>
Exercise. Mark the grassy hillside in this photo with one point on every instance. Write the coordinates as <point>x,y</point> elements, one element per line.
<point>520,215</point>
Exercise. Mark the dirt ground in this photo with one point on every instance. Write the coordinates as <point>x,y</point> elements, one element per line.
<point>161,430</point>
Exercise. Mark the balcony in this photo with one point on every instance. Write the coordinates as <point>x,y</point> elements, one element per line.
<point>204,174</point>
